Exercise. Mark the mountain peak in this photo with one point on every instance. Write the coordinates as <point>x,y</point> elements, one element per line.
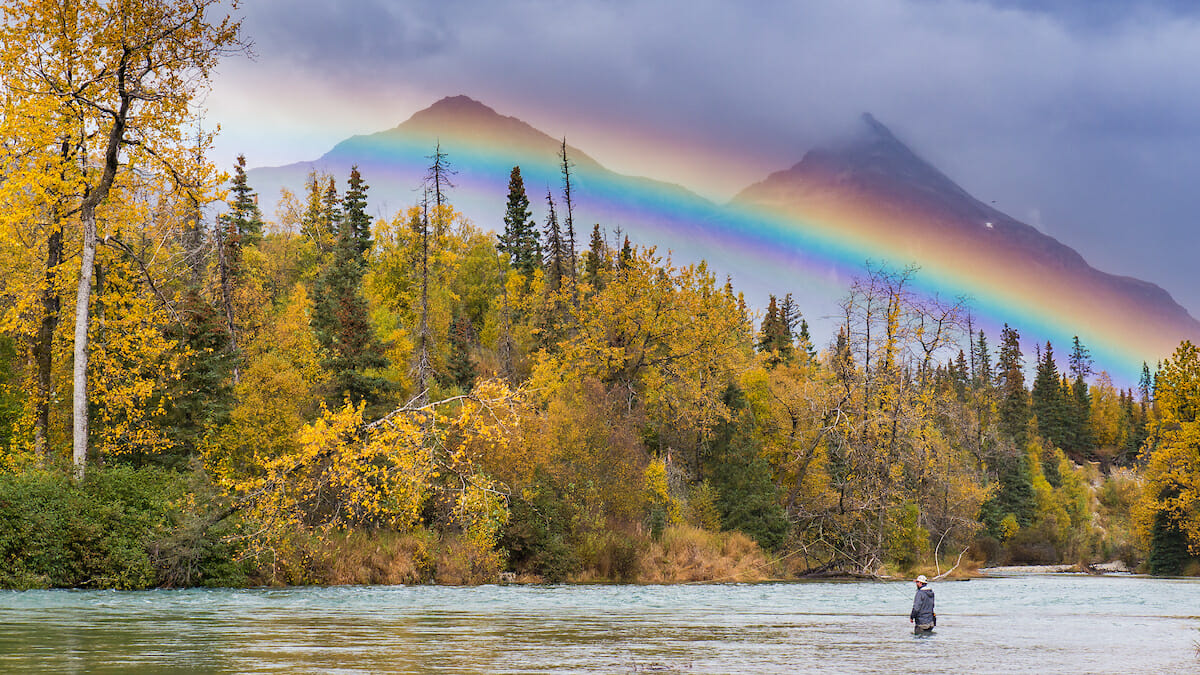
<point>875,128</point>
<point>455,108</point>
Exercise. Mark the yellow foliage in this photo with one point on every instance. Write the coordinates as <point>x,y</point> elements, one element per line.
<point>658,491</point>
<point>1172,452</point>
<point>132,362</point>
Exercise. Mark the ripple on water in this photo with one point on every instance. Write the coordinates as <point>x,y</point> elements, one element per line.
<point>1009,625</point>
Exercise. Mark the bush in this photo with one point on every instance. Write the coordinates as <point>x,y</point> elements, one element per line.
<point>56,533</point>
<point>119,529</point>
<point>537,536</point>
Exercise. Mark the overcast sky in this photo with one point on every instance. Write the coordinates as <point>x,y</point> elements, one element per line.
<point>1081,117</point>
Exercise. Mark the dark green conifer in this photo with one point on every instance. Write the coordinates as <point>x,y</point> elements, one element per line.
<point>461,369</point>
<point>983,362</point>
<point>520,239</point>
<point>341,318</point>
<point>554,259</point>
<point>355,220</point>
<point>596,259</point>
<point>1049,403</point>
<point>244,216</point>
<point>626,254</point>
<point>804,340</point>
<point>202,396</point>
<point>1010,380</point>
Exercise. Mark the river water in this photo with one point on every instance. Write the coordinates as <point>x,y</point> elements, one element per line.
<point>1031,624</point>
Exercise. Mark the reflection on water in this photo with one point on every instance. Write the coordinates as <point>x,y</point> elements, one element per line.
<point>1018,624</point>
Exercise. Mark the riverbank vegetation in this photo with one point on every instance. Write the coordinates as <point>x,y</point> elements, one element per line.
<point>330,397</point>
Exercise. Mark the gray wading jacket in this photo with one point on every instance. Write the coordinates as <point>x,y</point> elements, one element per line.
<point>922,611</point>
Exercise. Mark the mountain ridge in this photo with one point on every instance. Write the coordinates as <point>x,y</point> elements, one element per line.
<point>878,164</point>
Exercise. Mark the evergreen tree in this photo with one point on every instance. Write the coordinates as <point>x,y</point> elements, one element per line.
<point>341,318</point>
<point>774,335</point>
<point>240,227</point>
<point>1145,389</point>
<point>1010,380</point>
<point>355,220</point>
<point>597,258</point>
<point>462,370</point>
<point>961,374</point>
<point>804,340</point>
<point>202,396</point>
<point>244,214</point>
<point>1015,495</point>
<point>626,254</point>
<point>555,253</point>
<point>789,315</point>
<point>1081,399</point>
<point>520,239</point>
<point>748,499</point>
<point>1049,403</point>
<point>983,362</point>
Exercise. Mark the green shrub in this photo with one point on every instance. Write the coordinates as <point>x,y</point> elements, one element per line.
<point>537,537</point>
<point>111,531</point>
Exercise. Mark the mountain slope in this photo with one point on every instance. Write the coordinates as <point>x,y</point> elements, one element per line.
<point>877,184</point>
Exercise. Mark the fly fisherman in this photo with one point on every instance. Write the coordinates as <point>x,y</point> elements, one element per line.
<point>922,612</point>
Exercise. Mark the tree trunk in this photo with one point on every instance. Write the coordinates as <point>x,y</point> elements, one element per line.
<point>43,347</point>
<point>82,304</point>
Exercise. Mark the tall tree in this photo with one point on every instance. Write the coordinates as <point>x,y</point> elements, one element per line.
<point>597,259</point>
<point>1081,402</point>
<point>1050,406</point>
<point>982,360</point>
<point>439,179</point>
<point>554,255</point>
<point>520,239</point>
<point>123,74</point>
<point>241,226</point>
<point>341,318</point>
<point>569,223</point>
<point>355,221</point>
<point>1010,380</point>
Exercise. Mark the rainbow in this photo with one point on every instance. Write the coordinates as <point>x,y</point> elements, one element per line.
<point>771,248</point>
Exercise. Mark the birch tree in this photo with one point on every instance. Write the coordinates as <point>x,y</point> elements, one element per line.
<point>118,77</point>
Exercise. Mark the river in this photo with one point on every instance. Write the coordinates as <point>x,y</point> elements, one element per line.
<point>1017,624</point>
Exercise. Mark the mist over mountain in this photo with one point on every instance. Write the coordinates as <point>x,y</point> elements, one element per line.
<point>876,168</point>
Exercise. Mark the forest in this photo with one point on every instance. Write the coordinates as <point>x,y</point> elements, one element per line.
<point>193,392</point>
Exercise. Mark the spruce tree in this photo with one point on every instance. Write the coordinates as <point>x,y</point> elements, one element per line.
<point>462,370</point>
<point>244,213</point>
<point>341,318</point>
<point>774,338</point>
<point>983,362</point>
<point>596,260</point>
<point>1010,380</point>
<point>355,220</point>
<point>1049,403</point>
<point>555,253</point>
<point>520,239</point>
<point>626,255</point>
<point>804,340</point>
<point>1081,399</point>
<point>201,397</point>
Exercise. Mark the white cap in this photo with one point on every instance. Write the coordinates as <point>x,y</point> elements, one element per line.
<point>921,579</point>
